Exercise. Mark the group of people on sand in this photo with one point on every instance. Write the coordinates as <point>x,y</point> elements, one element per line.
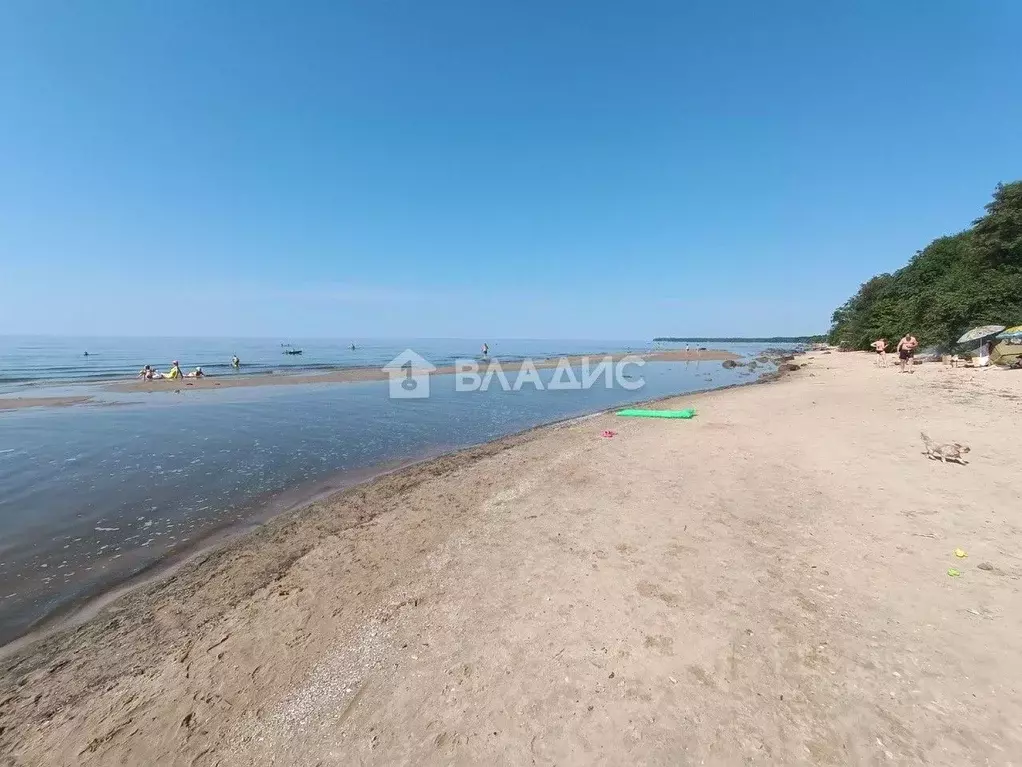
<point>906,349</point>
<point>149,373</point>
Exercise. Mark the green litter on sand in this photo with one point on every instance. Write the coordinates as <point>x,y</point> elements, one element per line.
<point>952,572</point>
<point>641,413</point>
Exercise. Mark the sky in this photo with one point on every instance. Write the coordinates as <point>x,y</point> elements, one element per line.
<point>497,169</point>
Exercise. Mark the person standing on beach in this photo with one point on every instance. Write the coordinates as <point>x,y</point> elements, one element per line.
<point>906,349</point>
<point>881,349</point>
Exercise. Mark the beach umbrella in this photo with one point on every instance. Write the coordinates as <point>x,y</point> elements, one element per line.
<point>977,334</point>
<point>1015,332</point>
<point>1005,353</point>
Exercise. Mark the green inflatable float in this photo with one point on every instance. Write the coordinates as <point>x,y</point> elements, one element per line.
<point>640,413</point>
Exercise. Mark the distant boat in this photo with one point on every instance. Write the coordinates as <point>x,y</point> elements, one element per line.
<point>292,351</point>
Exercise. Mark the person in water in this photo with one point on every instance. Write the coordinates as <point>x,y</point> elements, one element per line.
<point>146,373</point>
<point>235,362</point>
<point>175,371</point>
<point>197,373</point>
<point>486,350</point>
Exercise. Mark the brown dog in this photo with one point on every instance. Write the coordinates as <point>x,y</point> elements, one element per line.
<point>946,452</point>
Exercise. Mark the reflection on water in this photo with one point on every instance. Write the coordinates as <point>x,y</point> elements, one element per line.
<point>91,495</point>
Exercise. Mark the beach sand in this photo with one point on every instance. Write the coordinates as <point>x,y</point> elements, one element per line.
<point>347,375</point>
<point>766,583</point>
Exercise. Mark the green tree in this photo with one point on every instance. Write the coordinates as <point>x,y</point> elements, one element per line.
<point>954,283</point>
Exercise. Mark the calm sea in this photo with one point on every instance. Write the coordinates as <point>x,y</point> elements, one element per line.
<point>93,495</point>
<point>28,362</point>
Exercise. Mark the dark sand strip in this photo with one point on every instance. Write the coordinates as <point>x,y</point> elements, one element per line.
<point>17,403</point>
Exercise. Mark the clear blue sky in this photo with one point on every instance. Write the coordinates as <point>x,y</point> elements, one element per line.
<point>516,168</point>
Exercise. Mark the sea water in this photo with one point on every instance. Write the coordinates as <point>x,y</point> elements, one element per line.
<point>29,362</point>
<point>91,496</point>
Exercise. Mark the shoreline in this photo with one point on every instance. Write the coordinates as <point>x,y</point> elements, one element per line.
<point>270,508</point>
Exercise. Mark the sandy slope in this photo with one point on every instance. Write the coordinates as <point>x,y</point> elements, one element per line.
<point>765,584</point>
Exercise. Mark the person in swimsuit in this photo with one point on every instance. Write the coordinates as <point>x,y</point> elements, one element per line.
<point>906,348</point>
<point>236,363</point>
<point>486,350</point>
<point>881,349</point>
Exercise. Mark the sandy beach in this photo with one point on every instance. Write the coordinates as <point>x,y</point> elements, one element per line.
<point>767,583</point>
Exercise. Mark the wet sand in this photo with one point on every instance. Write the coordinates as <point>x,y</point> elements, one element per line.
<point>767,583</point>
<point>17,403</point>
<point>348,375</point>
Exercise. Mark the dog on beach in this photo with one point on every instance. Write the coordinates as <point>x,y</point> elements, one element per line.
<point>945,452</point>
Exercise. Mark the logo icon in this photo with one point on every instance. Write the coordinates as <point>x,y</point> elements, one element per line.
<point>408,375</point>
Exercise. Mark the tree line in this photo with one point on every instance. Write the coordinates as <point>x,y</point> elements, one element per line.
<point>953,284</point>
